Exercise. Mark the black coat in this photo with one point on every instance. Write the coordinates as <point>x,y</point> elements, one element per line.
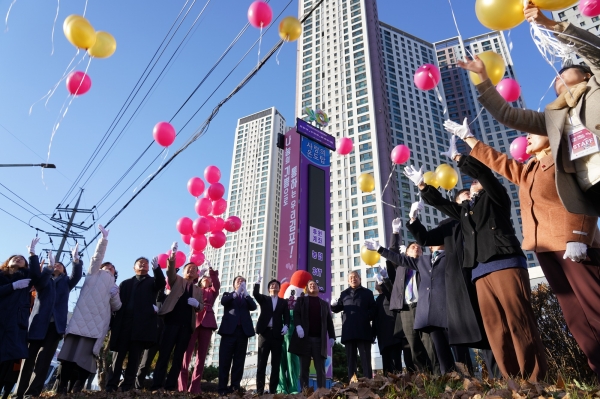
<point>386,292</point>
<point>14,311</point>
<point>145,319</point>
<point>397,274</point>
<point>301,318</point>
<point>486,226</point>
<point>281,314</point>
<point>385,325</point>
<point>235,311</point>
<point>431,309</point>
<point>359,310</point>
<point>465,326</point>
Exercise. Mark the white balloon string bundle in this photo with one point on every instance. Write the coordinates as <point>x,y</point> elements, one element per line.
<point>166,152</point>
<point>477,116</point>
<point>260,42</point>
<point>54,25</point>
<point>386,186</point>
<point>84,8</point>
<point>8,13</point>
<point>510,43</point>
<point>544,96</point>
<point>460,40</point>
<point>441,100</point>
<point>279,51</point>
<point>65,74</point>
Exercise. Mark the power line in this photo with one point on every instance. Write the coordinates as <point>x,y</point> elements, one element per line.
<point>10,214</point>
<point>16,195</point>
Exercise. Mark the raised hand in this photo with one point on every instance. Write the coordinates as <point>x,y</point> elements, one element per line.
<point>414,175</point>
<point>103,231</point>
<point>154,263</point>
<point>452,151</point>
<point>208,264</point>
<point>534,14</point>
<point>473,65</point>
<point>31,247</point>
<point>51,259</point>
<point>415,209</point>
<point>174,250</point>
<point>193,302</point>
<point>20,284</point>
<point>383,273</point>
<point>576,251</point>
<point>372,244</point>
<point>396,224</point>
<point>462,131</point>
<point>75,253</point>
<point>402,249</point>
<point>259,279</point>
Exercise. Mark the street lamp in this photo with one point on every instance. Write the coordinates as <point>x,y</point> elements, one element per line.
<point>14,165</point>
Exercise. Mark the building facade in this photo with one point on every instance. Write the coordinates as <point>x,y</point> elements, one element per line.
<point>253,196</point>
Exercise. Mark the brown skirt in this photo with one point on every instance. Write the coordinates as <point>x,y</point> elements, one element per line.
<point>78,349</point>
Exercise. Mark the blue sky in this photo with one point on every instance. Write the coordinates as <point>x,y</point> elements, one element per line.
<point>147,226</point>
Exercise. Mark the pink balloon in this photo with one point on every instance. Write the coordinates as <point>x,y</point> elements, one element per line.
<point>212,174</point>
<point>201,225</point>
<point>195,186</point>
<point>212,222</point>
<point>518,149</point>
<point>186,238</point>
<point>78,83</point>
<point>260,14</point>
<point>216,191</point>
<point>162,260</point>
<point>509,89</point>
<point>217,239</point>
<point>427,77</point>
<point>198,243</point>
<point>219,224</point>
<point>180,258</point>
<point>203,206</point>
<point>345,146</point>
<point>219,206</point>
<point>164,134</point>
<point>233,224</point>
<point>590,8</point>
<point>197,258</point>
<point>185,226</point>
<point>400,154</point>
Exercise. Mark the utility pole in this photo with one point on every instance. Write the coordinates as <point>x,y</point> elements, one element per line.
<point>69,224</point>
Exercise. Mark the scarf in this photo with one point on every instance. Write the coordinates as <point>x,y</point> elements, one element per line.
<point>569,98</point>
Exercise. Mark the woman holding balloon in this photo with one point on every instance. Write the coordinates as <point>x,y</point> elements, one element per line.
<point>571,122</point>
<point>558,237</point>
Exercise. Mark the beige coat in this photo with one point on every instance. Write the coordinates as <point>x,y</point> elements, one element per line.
<point>551,122</point>
<point>178,285</point>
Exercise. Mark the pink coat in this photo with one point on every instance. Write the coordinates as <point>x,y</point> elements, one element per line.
<point>206,317</point>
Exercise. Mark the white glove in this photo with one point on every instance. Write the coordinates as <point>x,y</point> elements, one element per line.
<point>331,342</point>
<point>193,302</point>
<point>202,271</point>
<point>284,330</point>
<point>576,251</point>
<point>334,302</point>
<point>396,224</point>
<point>414,175</point>
<point>379,279</point>
<point>244,291</point>
<point>155,308</point>
<point>383,273</point>
<point>154,263</point>
<point>372,244</point>
<point>103,231</point>
<point>235,295</point>
<point>402,249</point>
<point>31,247</point>
<point>452,151</point>
<point>114,290</point>
<point>51,259</point>
<point>75,253</point>
<point>300,331</point>
<point>462,131</point>
<point>415,209</point>
<point>240,289</point>
<point>208,263</point>
<point>259,280</point>
<point>20,284</point>
<point>174,248</point>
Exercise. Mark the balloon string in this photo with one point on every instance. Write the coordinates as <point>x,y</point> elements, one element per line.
<point>386,186</point>
<point>279,51</point>
<point>85,8</point>
<point>544,96</point>
<point>510,42</point>
<point>460,39</point>
<point>8,13</point>
<point>166,151</point>
<point>477,116</point>
<point>54,25</point>
<point>260,42</point>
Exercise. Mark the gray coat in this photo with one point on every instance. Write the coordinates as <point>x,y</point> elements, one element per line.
<point>551,122</point>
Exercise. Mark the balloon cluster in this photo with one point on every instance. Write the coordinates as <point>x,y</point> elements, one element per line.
<point>506,14</point>
<point>208,227</point>
<point>260,16</point>
<point>444,176</point>
<point>98,44</point>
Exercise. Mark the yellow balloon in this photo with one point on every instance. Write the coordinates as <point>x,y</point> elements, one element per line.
<point>494,65</point>
<point>446,177</point>
<point>429,179</point>
<point>441,167</point>
<point>366,183</point>
<point>554,5</point>
<point>70,19</point>
<point>80,32</point>
<point>104,47</point>
<point>369,257</point>
<point>499,14</point>
<point>290,29</point>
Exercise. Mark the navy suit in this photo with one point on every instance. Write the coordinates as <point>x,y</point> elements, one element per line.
<point>236,327</point>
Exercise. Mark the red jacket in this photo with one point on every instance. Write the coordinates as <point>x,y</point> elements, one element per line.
<point>206,317</point>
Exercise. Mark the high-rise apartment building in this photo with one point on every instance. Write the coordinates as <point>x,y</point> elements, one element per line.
<point>574,16</point>
<point>461,98</point>
<point>253,196</point>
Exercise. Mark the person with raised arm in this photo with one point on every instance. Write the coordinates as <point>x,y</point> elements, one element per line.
<point>85,333</point>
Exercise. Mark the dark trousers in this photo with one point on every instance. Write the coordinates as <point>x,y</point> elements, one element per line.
<point>35,368</point>
<point>490,363</point>
<point>577,288</point>
<point>463,355</point>
<point>269,342</point>
<point>439,336</point>
<point>364,351</point>
<point>134,351</point>
<point>175,339</point>
<point>71,377</point>
<point>391,358</point>
<point>232,356</point>
<point>9,373</point>
<point>148,358</point>
<point>313,346</point>
<point>421,345</point>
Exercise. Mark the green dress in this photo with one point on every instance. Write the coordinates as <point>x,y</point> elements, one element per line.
<point>289,372</point>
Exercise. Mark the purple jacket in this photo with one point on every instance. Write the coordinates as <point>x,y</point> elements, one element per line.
<point>206,317</point>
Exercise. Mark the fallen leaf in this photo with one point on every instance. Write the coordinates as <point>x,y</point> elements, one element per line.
<point>560,383</point>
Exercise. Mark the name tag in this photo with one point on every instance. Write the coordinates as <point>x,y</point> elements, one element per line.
<point>582,142</point>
